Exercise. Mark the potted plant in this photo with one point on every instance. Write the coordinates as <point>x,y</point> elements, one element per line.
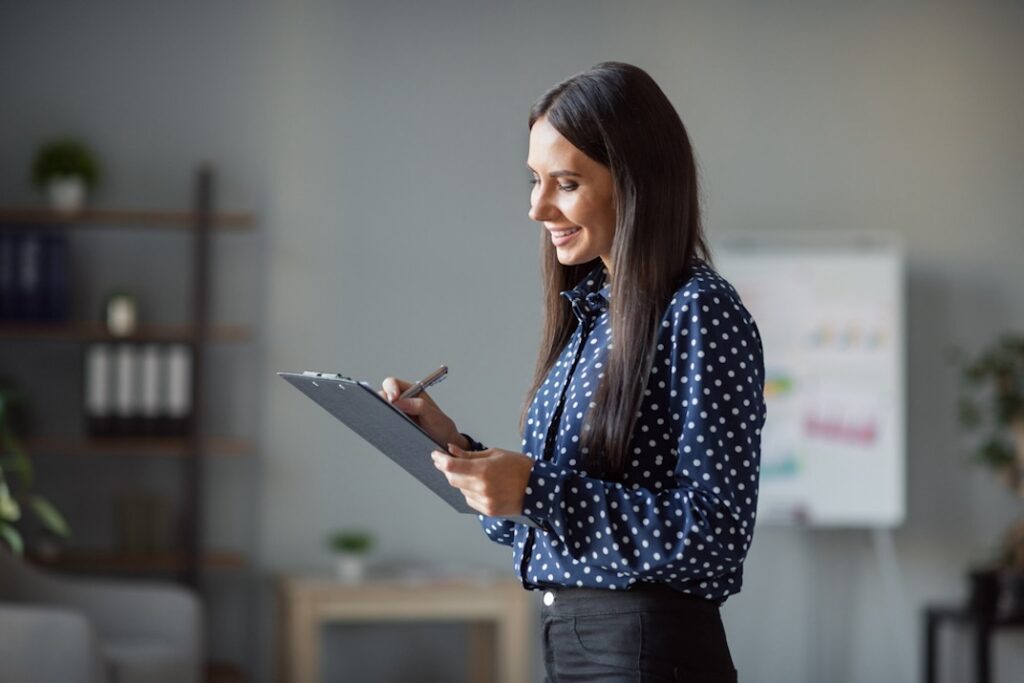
<point>992,412</point>
<point>16,478</point>
<point>65,170</point>
<point>350,548</point>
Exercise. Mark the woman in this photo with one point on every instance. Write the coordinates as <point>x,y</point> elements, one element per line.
<point>641,434</point>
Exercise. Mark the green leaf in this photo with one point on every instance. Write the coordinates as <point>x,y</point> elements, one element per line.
<point>12,537</point>
<point>10,511</point>
<point>50,516</point>
<point>996,453</point>
<point>18,458</point>
<point>970,415</point>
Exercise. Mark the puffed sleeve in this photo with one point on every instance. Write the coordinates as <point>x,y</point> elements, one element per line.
<point>701,523</point>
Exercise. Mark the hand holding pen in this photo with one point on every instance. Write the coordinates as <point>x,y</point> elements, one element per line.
<point>430,380</point>
<point>412,400</point>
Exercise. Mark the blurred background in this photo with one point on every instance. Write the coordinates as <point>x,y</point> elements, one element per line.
<point>369,194</point>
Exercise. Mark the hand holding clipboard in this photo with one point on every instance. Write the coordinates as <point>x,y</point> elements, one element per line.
<point>459,481</point>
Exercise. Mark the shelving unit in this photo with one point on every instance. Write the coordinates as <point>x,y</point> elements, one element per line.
<point>136,446</point>
<point>109,562</point>
<point>93,331</point>
<point>191,558</point>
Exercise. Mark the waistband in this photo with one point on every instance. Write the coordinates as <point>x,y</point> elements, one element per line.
<point>642,597</point>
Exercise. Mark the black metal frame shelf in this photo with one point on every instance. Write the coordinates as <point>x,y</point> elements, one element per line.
<point>192,559</point>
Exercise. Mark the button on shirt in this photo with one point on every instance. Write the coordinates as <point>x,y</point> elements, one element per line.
<point>683,511</point>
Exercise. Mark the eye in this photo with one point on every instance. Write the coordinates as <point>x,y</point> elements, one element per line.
<point>568,187</point>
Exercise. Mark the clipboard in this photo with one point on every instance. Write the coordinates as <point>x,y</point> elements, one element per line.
<point>386,428</point>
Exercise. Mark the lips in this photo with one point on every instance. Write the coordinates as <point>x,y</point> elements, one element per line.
<point>562,237</point>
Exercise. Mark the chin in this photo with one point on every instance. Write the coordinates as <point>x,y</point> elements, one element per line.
<point>573,259</point>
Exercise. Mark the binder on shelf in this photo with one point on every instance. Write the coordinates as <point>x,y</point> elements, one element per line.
<point>56,279</point>
<point>29,290</point>
<point>126,390</point>
<point>8,261</point>
<point>98,389</point>
<point>34,276</point>
<point>149,389</point>
<point>177,395</point>
<point>138,389</point>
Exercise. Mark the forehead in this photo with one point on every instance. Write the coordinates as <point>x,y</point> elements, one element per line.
<point>550,149</point>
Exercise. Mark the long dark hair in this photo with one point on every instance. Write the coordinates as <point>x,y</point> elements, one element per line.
<point>618,116</point>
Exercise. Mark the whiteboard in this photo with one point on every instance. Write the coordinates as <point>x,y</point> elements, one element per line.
<point>831,313</point>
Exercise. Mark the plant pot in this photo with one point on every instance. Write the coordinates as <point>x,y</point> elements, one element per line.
<point>983,593</point>
<point>1011,594</point>
<point>66,193</point>
<point>997,592</point>
<point>349,568</point>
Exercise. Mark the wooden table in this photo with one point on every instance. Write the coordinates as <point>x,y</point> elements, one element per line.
<point>497,612</point>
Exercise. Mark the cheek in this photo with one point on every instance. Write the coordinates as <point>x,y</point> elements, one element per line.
<point>601,220</point>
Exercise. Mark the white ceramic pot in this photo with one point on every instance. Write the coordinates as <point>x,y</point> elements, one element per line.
<point>66,193</point>
<point>349,568</point>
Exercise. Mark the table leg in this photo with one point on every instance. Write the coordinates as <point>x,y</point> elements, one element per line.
<point>302,644</point>
<point>514,662</point>
<point>480,643</point>
<point>931,634</point>
<point>982,650</point>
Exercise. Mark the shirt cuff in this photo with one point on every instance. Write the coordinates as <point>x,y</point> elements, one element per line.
<point>474,445</point>
<point>544,490</point>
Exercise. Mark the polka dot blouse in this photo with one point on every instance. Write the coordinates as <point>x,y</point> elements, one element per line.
<point>683,511</point>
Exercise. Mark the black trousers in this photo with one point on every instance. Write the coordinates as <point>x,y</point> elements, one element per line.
<point>650,634</point>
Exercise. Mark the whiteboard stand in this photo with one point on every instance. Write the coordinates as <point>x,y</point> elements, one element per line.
<point>894,592</point>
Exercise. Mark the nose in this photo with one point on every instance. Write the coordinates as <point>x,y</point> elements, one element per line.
<point>541,208</point>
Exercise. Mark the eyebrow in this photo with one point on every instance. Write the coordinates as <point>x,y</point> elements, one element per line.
<point>560,174</point>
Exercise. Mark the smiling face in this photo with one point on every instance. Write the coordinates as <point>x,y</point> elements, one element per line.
<point>573,196</point>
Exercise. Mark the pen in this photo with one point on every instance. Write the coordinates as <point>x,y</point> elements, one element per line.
<point>431,379</point>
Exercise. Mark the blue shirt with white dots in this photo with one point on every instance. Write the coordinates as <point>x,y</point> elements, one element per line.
<point>683,511</point>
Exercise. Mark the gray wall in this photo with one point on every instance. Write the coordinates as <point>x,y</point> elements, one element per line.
<point>383,146</point>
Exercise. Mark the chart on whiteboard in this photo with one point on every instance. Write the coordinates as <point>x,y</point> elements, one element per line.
<point>832,323</point>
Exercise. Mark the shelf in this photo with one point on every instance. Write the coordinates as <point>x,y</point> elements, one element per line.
<point>110,561</point>
<point>88,331</point>
<point>137,446</point>
<point>20,216</point>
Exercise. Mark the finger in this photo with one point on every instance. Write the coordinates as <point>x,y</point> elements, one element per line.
<point>465,483</point>
<point>412,406</point>
<point>448,463</point>
<point>460,474</point>
<point>393,387</point>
